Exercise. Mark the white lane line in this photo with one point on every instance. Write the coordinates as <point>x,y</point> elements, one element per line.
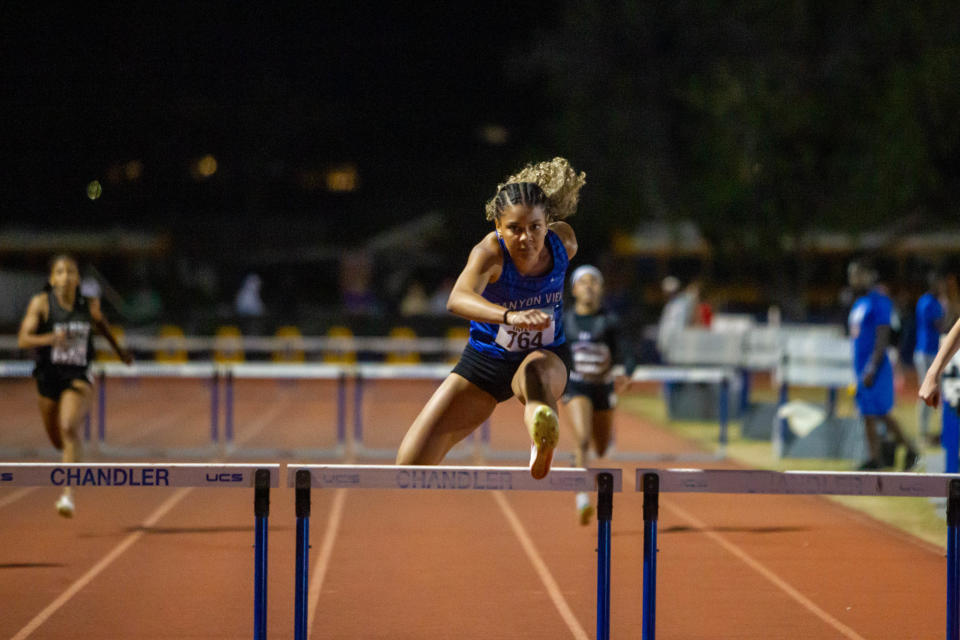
<point>168,419</point>
<point>16,495</point>
<point>105,562</point>
<point>760,568</point>
<point>323,560</point>
<point>256,426</point>
<point>541,567</point>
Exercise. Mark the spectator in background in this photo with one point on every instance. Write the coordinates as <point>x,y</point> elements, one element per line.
<point>929,326</point>
<point>248,305</point>
<point>703,311</point>
<point>146,306</point>
<point>677,312</point>
<point>414,301</point>
<point>356,270</point>
<point>869,324</point>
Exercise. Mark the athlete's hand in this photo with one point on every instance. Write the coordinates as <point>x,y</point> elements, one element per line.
<point>529,319</point>
<point>930,391</point>
<point>126,357</point>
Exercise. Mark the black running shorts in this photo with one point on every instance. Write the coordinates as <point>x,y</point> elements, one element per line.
<point>51,382</point>
<point>494,375</point>
<point>601,394</point>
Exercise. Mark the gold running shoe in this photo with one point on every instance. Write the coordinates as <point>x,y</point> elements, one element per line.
<point>65,506</point>
<point>584,508</point>
<point>545,432</point>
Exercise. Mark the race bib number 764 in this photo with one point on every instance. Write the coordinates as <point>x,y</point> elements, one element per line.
<point>516,339</point>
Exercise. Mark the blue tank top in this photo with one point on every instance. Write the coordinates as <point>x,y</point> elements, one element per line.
<point>518,292</point>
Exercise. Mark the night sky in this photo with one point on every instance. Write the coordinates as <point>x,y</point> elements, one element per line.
<point>273,93</point>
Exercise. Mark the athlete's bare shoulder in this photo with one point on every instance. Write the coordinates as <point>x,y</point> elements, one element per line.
<point>40,302</point>
<point>566,235</point>
<point>487,256</point>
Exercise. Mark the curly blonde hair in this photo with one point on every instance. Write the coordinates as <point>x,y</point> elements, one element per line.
<point>556,181</point>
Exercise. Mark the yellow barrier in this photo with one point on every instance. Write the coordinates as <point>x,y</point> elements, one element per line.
<point>457,333</point>
<point>340,357</point>
<point>293,345</point>
<point>228,345</point>
<point>403,357</point>
<point>174,349</point>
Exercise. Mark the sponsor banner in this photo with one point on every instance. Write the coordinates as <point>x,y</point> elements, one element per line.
<point>849,483</point>
<point>133,475</point>
<point>449,478</point>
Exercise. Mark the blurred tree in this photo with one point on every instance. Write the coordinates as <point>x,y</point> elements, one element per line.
<point>759,120</point>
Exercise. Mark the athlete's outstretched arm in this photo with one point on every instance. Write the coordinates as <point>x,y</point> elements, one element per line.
<point>27,336</point>
<point>466,301</point>
<point>930,388</point>
<point>100,322</point>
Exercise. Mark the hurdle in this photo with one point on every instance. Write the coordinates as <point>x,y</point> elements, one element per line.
<point>303,478</point>
<point>260,477</point>
<point>651,482</point>
<point>206,371</point>
<point>472,447</point>
<point>720,376</point>
<point>290,372</point>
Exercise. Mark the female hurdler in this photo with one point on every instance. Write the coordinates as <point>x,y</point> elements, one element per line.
<point>591,396</point>
<point>59,324</point>
<point>511,290</point>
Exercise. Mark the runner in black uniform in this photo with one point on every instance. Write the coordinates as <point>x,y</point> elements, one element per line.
<point>596,345</point>
<point>59,325</point>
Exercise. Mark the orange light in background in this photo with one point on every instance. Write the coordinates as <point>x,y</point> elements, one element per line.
<point>132,170</point>
<point>204,167</point>
<point>494,134</point>
<point>343,178</point>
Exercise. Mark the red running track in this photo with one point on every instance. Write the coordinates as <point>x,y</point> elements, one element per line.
<point>178,563</point>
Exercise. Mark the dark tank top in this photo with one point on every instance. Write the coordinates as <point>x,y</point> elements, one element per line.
<point>73,357</point>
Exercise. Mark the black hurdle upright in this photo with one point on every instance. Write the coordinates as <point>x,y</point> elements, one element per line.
<point>303,546</point>
<point>604,515</point>
<point>651,508</point>
<point>261,509</point>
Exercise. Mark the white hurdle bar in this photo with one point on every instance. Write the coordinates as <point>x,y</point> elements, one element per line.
<point>283,371</point>
<point>720,376</point>
<point>303,478</point>
<point>260,477</point>
<point>749,481</point>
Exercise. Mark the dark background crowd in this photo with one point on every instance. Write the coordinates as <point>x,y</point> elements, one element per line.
<point>340,156</point>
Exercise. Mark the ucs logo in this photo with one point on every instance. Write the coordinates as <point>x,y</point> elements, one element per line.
<point>225,477</point>
<point>6,476</point>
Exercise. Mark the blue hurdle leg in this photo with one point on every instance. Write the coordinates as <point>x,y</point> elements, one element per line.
<point>102,408</point>
<point>651,508</point>
<point>342,409</point>
<point>724,411</point>
<point>950,438</point>
<point>228,410</point>
<point>214,407</point>
<point>953,560</point>
<point>261,510</point>
<point>303,554</point>
<point>604,515</point>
